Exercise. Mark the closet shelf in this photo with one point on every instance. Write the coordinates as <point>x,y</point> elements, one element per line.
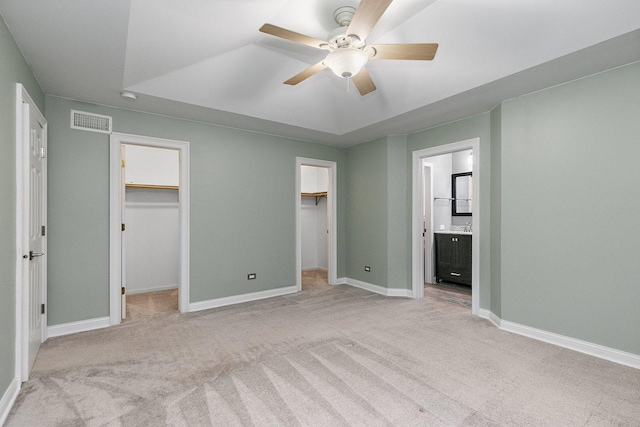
<point>316,195</point>
<point>157,187</point>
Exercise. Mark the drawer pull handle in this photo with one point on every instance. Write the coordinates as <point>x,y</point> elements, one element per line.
<point>455,274</point>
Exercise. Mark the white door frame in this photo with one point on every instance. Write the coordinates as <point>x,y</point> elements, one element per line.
<point>417,253</point>
<point>115,218</point>
<point>332,218</point>
<point>428,238</point>
<point>22,232</point>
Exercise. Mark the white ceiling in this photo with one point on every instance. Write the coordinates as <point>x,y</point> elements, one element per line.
<point>206,60</point>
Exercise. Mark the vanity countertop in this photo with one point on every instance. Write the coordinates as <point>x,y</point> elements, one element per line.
<point>453,232</point>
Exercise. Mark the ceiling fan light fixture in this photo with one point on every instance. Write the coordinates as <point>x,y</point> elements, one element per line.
<point>346,62</point>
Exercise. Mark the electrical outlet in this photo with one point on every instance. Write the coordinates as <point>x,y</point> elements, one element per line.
<point>251,276</point>
<point>441,226</point>
<point>367,268</point>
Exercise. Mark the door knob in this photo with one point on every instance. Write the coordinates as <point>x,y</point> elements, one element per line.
<point>33,255</point>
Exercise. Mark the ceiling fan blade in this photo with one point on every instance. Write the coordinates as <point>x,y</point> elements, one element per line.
<point>419,51</point>
<point>291,35</point>
<point>314,69</point>
<point>366,17</point>
<point>363,82</point>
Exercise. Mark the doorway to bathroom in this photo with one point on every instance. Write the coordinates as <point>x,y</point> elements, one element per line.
<point>447,228</point>
<point>445,221</point>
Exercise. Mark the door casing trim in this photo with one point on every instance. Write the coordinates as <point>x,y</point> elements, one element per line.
<point>115,218</point>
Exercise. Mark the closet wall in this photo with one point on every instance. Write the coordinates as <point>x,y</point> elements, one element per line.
<point>442,168</point>
<point>151,215</point>
<point>313,217</point>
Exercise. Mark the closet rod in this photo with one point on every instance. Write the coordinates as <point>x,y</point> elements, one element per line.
<point>448,198</point>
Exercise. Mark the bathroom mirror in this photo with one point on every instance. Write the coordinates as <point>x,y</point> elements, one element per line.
<point>461,194</point>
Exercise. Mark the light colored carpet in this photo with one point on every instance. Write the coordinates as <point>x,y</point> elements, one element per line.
<point>331,357</point>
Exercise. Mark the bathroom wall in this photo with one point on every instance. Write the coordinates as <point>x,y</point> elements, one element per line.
<point>442,168</point>
<point>441,176</point>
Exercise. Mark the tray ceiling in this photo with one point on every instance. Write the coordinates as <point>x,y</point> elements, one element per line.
<point>205,60</point>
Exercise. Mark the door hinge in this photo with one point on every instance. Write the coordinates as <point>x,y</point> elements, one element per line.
<point>43,152</point>
<point>41,308</point>
<point>122,290</point>
<point>122,163</point>
<point>123,227</point>
<point>44,229</point>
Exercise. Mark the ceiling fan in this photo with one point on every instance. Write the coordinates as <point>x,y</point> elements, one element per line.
<point>348,51</point>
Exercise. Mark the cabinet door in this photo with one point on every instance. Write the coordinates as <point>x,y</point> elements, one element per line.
<point>463,253</point>
<point>445,251</point>
<point>453,258</point>
<point>445,256</point>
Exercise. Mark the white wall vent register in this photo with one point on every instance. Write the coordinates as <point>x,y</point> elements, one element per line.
<point>91,122</point>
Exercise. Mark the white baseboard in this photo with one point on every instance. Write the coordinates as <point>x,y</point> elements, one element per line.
<point>607,353</point>
<point>79,326</point>
<point>484,313</point>
<point>237,299</point>
<point>495,320</point>
<point>389,292</point>
<point>487,314</point>
<point>8,399</point>
<point>154,289</point>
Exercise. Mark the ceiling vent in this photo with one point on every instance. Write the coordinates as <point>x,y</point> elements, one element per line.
<point>91,122</point>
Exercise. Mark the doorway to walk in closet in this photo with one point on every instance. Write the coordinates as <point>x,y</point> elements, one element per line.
<point>151,232</point>
<point>314,186</point>
<point>118,184</point>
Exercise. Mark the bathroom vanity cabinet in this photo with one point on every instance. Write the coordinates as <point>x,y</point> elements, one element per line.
<point>453,258</point>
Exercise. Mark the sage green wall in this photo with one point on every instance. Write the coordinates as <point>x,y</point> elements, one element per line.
<point>13,69</point>
<point>367,212</point>
<point>496,210</point>
<point>472,127</point>
<point>242,207</point>
<point>569,209</point>
<point>398,214</point>
<point>78,209</point>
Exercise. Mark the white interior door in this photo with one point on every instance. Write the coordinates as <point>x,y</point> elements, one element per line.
<point>36,215</point>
